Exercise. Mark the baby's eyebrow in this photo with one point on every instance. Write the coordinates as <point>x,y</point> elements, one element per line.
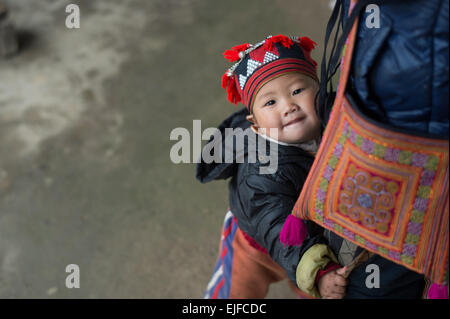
<point>297,81</point>
<point>265,94</point>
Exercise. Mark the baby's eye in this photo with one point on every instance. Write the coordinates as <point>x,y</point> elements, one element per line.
<point>297,91</point>
<point>271,102</point>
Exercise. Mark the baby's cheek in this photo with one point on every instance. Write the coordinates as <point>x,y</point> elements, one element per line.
<point>309,103</point>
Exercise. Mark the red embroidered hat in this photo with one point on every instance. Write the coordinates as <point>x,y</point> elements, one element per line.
<point>259,63</point>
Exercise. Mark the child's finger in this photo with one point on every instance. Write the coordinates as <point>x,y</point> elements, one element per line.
<point>340,281</point>
<point>335,296</point>
<point>342,271</point>
<point>338,290</point>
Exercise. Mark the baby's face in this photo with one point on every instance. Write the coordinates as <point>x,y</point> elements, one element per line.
<point>286,103</point>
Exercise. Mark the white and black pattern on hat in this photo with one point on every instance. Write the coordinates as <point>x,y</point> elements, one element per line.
<point>252,65</point>
<point>269,57</point>
<point>242,81</point>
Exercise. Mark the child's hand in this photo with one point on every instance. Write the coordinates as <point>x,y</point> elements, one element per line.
<point>332,284</point>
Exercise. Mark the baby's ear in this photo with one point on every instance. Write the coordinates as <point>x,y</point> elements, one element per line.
<point>251,119</point>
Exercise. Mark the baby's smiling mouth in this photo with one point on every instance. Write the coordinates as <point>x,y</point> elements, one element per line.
<point>296,120</point>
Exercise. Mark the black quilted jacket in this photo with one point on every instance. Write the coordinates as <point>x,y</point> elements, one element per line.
<point>262,202</point>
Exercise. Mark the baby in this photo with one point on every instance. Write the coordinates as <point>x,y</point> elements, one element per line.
<point>276,80</point>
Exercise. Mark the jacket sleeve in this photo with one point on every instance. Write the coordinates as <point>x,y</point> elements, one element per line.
<point>267,203</point>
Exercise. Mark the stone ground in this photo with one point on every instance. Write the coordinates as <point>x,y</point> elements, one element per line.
<point>85,119</point>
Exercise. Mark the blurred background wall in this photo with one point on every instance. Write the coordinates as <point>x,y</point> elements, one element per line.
<point>85,119</point>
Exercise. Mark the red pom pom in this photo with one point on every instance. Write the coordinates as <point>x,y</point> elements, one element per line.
<point>225,80</point>
<point>307,44</point>
<point>233,54</point>
<point>233,94</point>
<point>229,83</point>
<point>284,40</point>
<point>438,291</point>
<point>241,47</point>
<point>293,232</point>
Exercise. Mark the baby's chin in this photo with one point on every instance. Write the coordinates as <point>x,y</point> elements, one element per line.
<point>292,137</point>
<point>299,134</point>
<point>292,141</point>
<point>289,136</point>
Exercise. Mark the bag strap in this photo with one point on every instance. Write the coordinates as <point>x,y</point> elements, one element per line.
<point>328,69</point>
<point>350,28</point>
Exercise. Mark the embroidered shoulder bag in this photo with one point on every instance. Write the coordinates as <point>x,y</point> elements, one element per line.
<point>383,189</point>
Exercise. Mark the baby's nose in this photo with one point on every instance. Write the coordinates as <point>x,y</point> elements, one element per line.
<point>291,107</point>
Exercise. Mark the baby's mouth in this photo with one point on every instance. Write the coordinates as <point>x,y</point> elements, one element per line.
<point>296,120</point>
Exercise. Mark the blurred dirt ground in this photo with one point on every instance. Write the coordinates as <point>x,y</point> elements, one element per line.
<point>85,119</point>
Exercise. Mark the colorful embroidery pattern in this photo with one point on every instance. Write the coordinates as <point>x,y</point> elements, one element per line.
<point>368,199</point>
<point>382,190</point>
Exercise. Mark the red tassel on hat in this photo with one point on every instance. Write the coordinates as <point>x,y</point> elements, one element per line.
<point>306,43</point>
<point>233,94</point>
<point>241,47</point>
<point>293,232</point>
<point>233,54</point>
<point>284,40</point>
<point>229,83</point>
<point>225,80</point>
